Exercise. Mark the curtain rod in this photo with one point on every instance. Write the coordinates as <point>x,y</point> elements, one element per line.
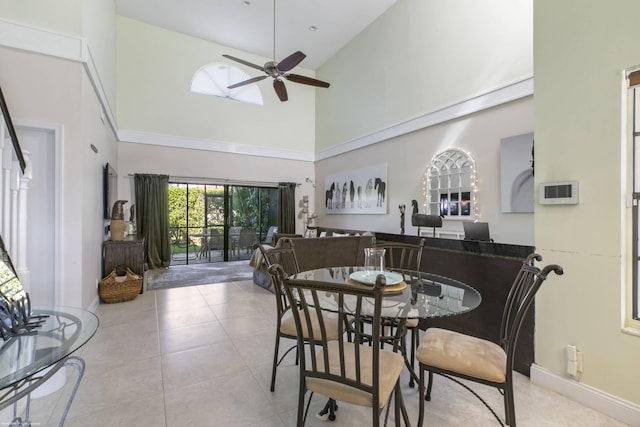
<point>219,181</point>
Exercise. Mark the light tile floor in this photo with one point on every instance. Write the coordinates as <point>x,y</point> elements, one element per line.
<point>201,356</point>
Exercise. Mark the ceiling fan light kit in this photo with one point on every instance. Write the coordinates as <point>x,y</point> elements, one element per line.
<point>279,71</point>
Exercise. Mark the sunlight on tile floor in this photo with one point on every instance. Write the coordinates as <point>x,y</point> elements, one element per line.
<point>201,356</point>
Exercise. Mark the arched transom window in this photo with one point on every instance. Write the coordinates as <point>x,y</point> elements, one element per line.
<point>213,79</point>
<point>450,185</point>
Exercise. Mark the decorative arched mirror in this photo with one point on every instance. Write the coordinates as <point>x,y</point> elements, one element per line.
<point>450,185</point>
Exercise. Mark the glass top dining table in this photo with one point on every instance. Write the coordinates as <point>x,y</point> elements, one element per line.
<point>62,331</point>
<point>408,294</point>
<point>425,295</point>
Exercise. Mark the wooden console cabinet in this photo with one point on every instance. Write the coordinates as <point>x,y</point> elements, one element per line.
<point>129,252</point>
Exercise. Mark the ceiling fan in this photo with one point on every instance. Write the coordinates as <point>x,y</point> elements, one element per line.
<point>278,70</point>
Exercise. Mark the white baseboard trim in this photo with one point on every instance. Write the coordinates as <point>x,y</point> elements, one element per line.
<point>94,304</point>
<point>608,404</point>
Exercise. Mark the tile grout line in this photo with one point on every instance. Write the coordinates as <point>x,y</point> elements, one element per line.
<point>164,391</point>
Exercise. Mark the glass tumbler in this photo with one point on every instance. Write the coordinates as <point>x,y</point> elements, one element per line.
<point>373,263</point>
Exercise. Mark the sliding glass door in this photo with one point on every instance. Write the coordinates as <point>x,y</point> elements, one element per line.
<point>213,223</point>
<point>252,211</point>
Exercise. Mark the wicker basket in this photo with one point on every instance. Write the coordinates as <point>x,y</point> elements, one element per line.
<point>114,288</point>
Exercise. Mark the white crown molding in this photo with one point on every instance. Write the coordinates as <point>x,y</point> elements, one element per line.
<point>47,42</point>
<point>94,78</point>
<point>20,36</point>
<point>613,406</point>
<point>211,145</point>
<point>502,95</point>
<point>75,48</point>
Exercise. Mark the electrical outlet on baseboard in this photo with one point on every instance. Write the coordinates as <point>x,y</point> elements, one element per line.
<point>580,361</point>
<point>572,360</point>
<point>575,361</point>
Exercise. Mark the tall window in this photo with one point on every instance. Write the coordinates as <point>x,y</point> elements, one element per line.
<point>450,185</point>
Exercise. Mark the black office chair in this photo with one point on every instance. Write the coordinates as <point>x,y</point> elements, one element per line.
<point>453,354</point>
<point>343,370</point>
<point>476,231</point>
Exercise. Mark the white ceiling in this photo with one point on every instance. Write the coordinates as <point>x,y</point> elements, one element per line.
<point>250,27</point>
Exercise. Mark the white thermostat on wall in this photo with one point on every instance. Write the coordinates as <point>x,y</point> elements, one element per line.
<point>559,193</point>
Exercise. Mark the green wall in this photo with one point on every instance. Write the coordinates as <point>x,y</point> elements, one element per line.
<point>581,50</point>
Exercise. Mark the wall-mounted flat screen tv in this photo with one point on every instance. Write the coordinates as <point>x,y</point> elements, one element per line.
<point>110,181</point>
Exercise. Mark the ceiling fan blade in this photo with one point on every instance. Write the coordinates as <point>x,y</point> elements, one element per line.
<point>281,90</point>
<point>242,61</point>
<point>291,61</point>
<point>246,82</point>
<point>296,78</point>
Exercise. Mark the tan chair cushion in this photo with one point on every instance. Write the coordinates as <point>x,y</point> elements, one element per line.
<point>391,365</point>
<point>412,323</point>
<point>288,325</point>
<point>464,354</point>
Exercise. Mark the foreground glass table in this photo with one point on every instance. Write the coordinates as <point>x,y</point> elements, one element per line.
<point>24,358</point>
<point>425,295</point>
<point>408,295</point>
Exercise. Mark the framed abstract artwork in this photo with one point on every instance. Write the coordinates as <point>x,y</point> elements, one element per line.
<point>516,173</point>
<point>359,191</point>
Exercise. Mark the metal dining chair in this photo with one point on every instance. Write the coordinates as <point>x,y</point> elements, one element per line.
<point>285,324</point>
<point>404,256</point>
<point>246,240</point>
<point>454,354</point>
<point>343,370</point>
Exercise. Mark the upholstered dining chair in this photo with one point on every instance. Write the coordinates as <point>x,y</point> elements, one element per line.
<point>454,354</point>
<point>404,256</point>
<point>343,370</point>
<point>285,324</point>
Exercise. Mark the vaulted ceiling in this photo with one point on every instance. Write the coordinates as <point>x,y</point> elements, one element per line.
<point>319,28</point>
